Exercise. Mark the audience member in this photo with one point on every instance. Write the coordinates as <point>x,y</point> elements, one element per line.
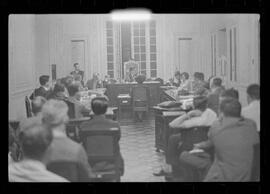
<point>200,116</point>
<point>198,84</point>
<point>177,80</point>
<point>99,106</point>
<point>253,110</point>
<point>185,82</point>
<point>37,104</point>
<point>59,92</point>
<point>62,148</point>
<point>44,90</point>
<point>74,98</point>
<point>34,139</point>
<point>94,83</point>
<point>215,90</point>
<point>229,93</point>
<point>233,139</point>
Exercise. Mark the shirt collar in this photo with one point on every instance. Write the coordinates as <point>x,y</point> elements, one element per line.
<point>57,133</point>
<point>33,163</point>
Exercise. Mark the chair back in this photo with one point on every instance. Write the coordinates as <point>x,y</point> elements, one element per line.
<point>71,109</point>
<point>139,93</point>
<point>28,107</point>
<point>255,173</point>
<point>69,170</point>
<point>73,125</point>
<point>100,145</point>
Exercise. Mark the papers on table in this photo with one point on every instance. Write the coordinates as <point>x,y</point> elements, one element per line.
<point>173,113</point>
<point>123,96</point>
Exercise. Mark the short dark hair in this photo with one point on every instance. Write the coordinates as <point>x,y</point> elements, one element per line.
<point>75,64</point>
<point>99,105</point>
<point>43,79</point>
<point>140,78</point>
<point>177,73</point>
<point>230,93</point>
<point>34,138</point>
<point>201,76</point>
<point>253,91</point>
<point>230,107</point>
<point>73,89</point>
<point>197,75</point>
<point>200,102</point>
<point>217,81</point>
<point>37,104</point>
<point>186,75</point>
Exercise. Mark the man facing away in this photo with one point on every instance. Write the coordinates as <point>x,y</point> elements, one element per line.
<point>35,139</point>
<point>99,107</point>
<point>253,110</point>
<point>62,148</point>
<point>213,96</point>
<point>233,139</point>
<point>44,90</point>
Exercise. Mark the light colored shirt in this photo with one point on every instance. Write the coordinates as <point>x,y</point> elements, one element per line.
<point>185,85</point>
<point>207,118</point>
<point>253,111</point>
<point>31,171</point>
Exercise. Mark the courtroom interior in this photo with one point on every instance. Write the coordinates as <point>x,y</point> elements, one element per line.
<point>122,97</point>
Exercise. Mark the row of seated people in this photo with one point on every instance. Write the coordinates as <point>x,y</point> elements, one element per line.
<point>43,141</point>
<point>228,152</point>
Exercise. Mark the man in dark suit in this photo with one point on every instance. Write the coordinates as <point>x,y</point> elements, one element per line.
<point>44,90</point>
<point>77,71</point>
<point>99,106</point>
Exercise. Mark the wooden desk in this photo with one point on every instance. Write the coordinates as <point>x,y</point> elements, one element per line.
<point>163,116</point>
<point>113,90</point>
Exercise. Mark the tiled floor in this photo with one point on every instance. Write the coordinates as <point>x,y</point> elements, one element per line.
<point>137,146</point>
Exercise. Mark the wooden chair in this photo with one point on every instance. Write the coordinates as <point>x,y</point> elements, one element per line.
<point>72,128</point>
<point>28,107</point>
<point>101,146</point>
<point>140,99</point>
<point>69,170</point>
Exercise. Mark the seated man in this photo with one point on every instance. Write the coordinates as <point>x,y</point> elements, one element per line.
<point>202,160</point>
<point>177,81</point>
<point>198,86</point>
<point>62,148</point>
<point>185,82</point>
<point>200,116</point>
<point>94,83</point>
<point>34,139</point>
<point>78,81</point>
<point>74,98</point>
<point>37,104</point>
<point>253,110</point>
<point>233,139</point>
<point>44,90</point>
<point>99,106</point>
<point>59,92</point>
<point>213,97</point>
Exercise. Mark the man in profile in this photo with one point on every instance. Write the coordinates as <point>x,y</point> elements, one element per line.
<point>34,139</point>
<point>77,71</point>
<point>44,90</point>
<point>215,90</point>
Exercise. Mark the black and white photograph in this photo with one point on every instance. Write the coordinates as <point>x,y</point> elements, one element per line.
<point>134,96</point>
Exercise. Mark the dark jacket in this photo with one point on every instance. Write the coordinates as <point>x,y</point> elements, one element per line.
<point>234,146</point>
<point>40,92</point>
<point>81,73</point>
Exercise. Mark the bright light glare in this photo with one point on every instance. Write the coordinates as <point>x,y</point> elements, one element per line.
<point>131,15</point>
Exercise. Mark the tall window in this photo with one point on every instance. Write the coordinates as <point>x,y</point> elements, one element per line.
<point>139,45</point>
<point>153,50</point>
<point>110,55</point>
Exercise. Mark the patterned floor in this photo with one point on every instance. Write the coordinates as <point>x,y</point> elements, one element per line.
<point>137,146</point>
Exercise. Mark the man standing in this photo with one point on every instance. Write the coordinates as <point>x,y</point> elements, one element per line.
<point>77,71</point>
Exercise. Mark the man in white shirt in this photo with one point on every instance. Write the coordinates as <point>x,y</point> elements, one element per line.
<point>200,116</point>
<point>35,139</point>
<point>253,110</point>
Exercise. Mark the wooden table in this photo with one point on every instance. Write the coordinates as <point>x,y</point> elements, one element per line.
<point>113,90</point>
<point>163,116</point>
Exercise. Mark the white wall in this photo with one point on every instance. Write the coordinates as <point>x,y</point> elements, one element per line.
<point>22,69</point>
